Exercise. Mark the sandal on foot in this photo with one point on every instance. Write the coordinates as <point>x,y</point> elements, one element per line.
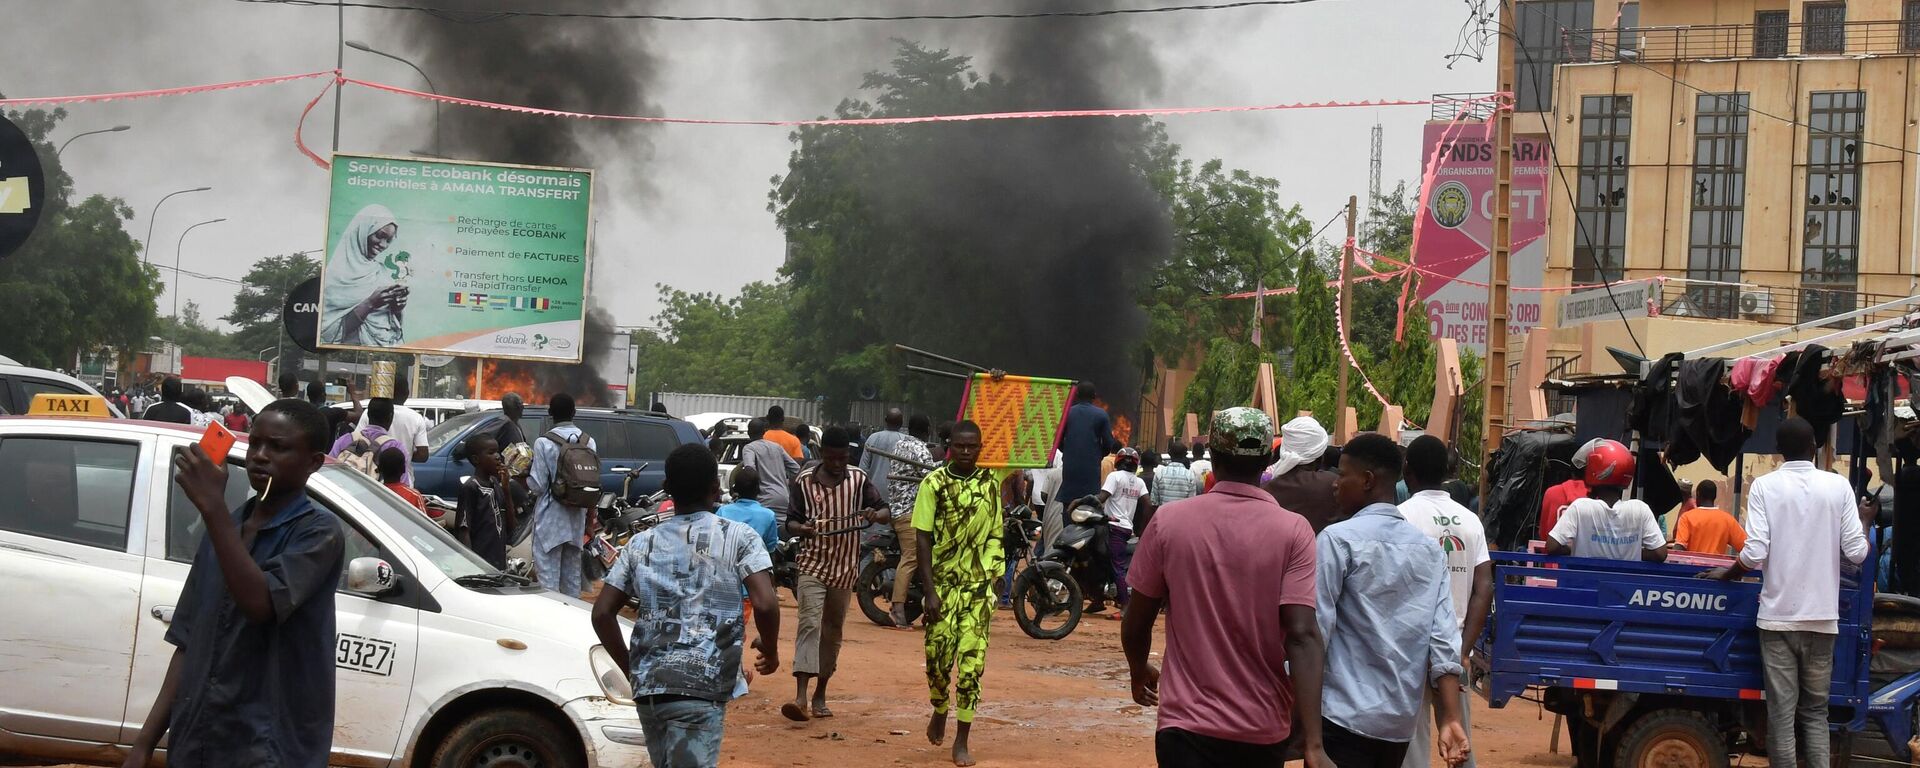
<point>822,713</point>
<point>792,711</point>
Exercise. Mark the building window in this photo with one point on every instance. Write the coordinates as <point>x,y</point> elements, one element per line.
<point>1719,202</point>
<point>1830,238</point>
<point>1626,32</point>
<point>1910,27</point>
<point>1769,34</point>
<point>1825,30</point>
<point>1600,209</point>
<point>1548,38</point>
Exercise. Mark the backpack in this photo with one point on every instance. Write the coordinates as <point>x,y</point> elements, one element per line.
<point>364,456</point>
<point>576,474</point>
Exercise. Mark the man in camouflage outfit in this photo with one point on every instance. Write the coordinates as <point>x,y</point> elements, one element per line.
<point>957,517</point>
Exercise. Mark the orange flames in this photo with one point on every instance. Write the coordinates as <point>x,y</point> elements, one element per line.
<point>499,377</point>
<point>1122,426</point>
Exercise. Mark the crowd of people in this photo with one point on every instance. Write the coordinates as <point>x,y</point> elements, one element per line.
<point>1318,602</point>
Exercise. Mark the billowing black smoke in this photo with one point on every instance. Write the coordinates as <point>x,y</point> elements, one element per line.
<point>539,382</point>
<point>557,63</point>
<point>1035,235</point>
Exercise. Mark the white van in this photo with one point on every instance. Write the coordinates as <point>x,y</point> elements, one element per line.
<point>441,661</point>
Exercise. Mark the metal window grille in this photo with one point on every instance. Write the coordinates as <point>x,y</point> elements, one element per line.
<point>1830,236</point>
<point>1718,196</point>
<point>1600,206</point>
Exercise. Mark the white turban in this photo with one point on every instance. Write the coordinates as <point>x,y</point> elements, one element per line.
<point>1302,440</point>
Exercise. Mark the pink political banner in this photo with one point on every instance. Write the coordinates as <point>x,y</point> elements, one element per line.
<point>1454,231</point>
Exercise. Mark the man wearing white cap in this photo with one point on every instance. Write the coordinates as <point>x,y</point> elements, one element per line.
<point>1300,480</point>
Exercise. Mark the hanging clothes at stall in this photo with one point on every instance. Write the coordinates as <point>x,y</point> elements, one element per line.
<point>1757,379</point>
<point>1651,413</point>
<point>1657,486</point>
<point>1706,415</point>
<point>1813,398</point>
<point>1906,529</point>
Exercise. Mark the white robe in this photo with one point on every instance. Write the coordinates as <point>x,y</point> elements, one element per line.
<point>352,276</point>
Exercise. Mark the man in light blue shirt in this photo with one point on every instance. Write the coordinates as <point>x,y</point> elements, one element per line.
<point>558,530</point>
<point>883,441</point>
<point>747,509</point>
<point>1386,609</point>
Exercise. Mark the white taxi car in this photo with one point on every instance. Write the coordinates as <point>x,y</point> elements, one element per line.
<point>441,660</point>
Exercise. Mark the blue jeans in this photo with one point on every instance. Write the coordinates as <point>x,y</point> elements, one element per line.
<point>682,733</point>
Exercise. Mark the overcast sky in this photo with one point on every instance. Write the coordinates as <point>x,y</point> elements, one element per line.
<point>698,220</point>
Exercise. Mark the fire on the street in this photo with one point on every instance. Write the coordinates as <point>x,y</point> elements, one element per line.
<point>533,381</point>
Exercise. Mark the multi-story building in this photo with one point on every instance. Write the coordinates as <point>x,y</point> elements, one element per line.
<point>1737,143</point>
<point>1739,165</point>
<point>1760,153</point>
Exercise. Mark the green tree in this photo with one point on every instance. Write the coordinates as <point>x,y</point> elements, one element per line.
<point>1468,434</point>
<point>945,236</point>
<point>1312,380</point>
<point>736,346</point>
<point>195,338</point>
<point>258,305</point>
<point>77,284</point>
<point>1232,235</point>
<point>1226,378</point>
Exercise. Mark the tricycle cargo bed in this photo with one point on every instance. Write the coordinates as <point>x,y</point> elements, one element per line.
<point>1648,628</point>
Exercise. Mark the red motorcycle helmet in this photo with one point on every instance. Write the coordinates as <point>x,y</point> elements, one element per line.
<point>1610,464</point>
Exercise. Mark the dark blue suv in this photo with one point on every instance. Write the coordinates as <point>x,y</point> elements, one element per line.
<point>625,440</point>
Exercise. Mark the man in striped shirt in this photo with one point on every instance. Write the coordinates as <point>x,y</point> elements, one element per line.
<point>831,503</point>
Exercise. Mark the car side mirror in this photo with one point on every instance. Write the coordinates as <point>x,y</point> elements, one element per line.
<point>371,576</point>
<point>459,452</point>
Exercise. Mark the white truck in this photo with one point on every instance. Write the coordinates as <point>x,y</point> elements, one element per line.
<point>441,661</point>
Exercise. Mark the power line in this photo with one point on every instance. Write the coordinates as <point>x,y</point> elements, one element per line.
<point>201,275</point>
<point>482,17</point>
<point>1573,206</point>
<point>205,276</point>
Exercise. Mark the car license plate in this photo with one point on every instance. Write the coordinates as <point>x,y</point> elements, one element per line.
<point>364,654</point>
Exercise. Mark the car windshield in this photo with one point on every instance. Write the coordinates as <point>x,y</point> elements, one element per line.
<point>451,429</point>
<point>421,533</point>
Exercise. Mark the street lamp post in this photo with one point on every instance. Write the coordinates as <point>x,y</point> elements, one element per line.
<point>145,244</point>
<point>176,267</point>
<point>360,46</point>
<point>115,129</point>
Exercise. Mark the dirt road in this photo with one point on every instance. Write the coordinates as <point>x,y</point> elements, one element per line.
<point>1056,704</point>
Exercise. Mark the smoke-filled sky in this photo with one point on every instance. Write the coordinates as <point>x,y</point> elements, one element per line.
<point>682,205</point>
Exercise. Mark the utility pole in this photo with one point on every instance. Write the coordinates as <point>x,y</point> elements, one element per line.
<point>339,65</point>
<point>1346,318</point>
<point>1493,415</point>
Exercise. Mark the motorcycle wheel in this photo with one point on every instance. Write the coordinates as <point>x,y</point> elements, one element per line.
<point>1046,607</point>
<point>873,590</point>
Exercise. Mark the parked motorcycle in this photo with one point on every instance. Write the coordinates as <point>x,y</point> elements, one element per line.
<point>1046,598</point>
<point>622,515</point>
<point>873,588</point>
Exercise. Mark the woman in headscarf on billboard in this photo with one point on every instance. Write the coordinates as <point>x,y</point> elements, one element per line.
<point>365,293</point>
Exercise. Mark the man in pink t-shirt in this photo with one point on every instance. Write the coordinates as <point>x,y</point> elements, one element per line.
<point>1235,572</point>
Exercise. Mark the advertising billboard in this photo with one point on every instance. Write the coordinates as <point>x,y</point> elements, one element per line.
<point>458,258</point>
<point>1455,231</point>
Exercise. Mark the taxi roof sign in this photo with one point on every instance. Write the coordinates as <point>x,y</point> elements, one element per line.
<point>70,406</point>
